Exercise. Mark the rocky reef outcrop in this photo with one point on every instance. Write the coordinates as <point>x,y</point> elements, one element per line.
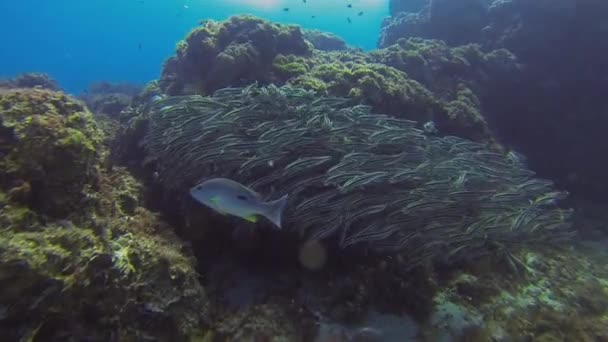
<point>410,80</point>
<point>325,41</point>
<point>554,108</point>
<point>80,258</point>
<point>455,22</point>
<point>31,80</point>
<point>109,98</point>
<point>234,52</point>
<point>396,227</point>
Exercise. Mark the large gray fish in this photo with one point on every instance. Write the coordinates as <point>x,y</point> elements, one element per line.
<point>229,197</point>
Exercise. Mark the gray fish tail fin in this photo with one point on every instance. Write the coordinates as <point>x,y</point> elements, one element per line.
<point>274,210</point>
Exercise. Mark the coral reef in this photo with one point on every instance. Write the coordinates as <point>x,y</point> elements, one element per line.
<point>80,259</point>
<point>360,178</point>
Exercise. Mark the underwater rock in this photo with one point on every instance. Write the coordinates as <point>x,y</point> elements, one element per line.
<point>411,6</point>
<point>386,89</point>
<point>119,281</point>
<point>235,52</point>
<point>375,327</point>
<point>370,79</point>
<point>402,25</point>
<point>350,298</point>
<point>354,177</point>
<point>109,99</point>
<point>455,22</point>
<point>31,80</point>
<point>560,45</point>
<point>458,22</point>
<point>52,145</point>
<point>325,41</point>
<point>79,258</point>
<point>458,77</point>
<point>264,322</point>
<point>381,80</point>
<point>549,301</point>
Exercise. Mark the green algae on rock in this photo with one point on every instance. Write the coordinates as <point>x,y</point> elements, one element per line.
<point>369,80</point>
<point>414,79</point>
<point>325,41</point>
<point>106,279</point>
<point>79,257</point>
<point>440,67</point>
<point>563,297</point>
<point>235,52</point>
<point>52,144</point>
<point>461,78</point>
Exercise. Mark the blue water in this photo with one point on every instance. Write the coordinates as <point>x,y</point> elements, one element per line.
<point>80,41</point>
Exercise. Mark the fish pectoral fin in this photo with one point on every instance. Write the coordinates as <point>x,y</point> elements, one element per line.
<point>251,218</point>
<point>215,200</point>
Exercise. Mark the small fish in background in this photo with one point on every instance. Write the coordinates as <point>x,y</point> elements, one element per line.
<point>360,13</point>
<point>313,16</point>
<point>229,197</point>
<point>139,46</point>
<point>349,5</point>
<point>286,9</point>
<point>348,19</point>
<point>304,1</point>
<point>186,6</point>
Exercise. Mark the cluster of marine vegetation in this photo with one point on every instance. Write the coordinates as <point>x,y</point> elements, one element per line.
<point>401,199</point>
<point>561,45</point>
<point>80,259</point>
